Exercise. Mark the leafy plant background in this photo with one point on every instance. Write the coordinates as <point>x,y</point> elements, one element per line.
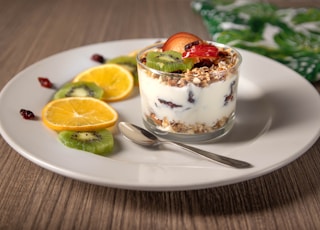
<point>290,36</point>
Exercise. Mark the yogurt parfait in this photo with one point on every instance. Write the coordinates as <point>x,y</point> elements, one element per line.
<point>188,88</point>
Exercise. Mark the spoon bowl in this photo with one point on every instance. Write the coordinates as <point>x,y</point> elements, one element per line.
<point>143,137</point>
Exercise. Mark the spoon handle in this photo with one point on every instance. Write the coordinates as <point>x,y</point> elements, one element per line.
<point>212,156</point>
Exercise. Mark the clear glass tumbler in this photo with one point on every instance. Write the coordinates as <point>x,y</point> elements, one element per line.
<point>198,105</point>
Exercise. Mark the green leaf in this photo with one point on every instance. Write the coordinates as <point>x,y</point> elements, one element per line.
<point>307,15</point>
<point>228,36</point>
<point>257,10</point>
<point>295,41</point>
<point>306,64</point>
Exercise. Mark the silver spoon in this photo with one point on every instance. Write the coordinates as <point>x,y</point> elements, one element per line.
<point>143,137</point>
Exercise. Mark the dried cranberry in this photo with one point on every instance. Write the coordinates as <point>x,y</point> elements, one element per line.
<point>45,82</point>
<point>189,45</point>
<point>191,97</point>
<point>169,103</point>
<point>27,114</point>
<point>98,58</point>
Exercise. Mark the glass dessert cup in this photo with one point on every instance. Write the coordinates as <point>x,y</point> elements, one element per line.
<point>195,106</point>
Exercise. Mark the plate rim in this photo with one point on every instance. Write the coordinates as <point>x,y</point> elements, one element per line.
<point>89,179</point>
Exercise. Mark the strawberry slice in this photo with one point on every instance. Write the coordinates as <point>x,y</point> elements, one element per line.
<point>201,51</point>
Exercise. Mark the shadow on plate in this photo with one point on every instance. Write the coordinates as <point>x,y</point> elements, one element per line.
<point>254,117</point>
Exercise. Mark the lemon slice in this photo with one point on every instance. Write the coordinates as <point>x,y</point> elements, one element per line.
<point>116,81</point>
<point>78,114</point>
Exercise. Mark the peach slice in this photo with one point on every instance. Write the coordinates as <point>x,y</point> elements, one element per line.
<point>178,41</point>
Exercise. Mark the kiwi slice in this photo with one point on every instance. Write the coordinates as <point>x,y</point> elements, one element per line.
<point>98,142</point>
<point>168,61</point>
<point>128,62</point>
<point>79,89</point>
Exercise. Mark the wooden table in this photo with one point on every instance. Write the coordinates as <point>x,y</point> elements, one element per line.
<point>34,198</point>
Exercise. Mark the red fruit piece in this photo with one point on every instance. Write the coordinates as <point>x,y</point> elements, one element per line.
<point>98,58</point>
<point>45,82</point>
<point>27,114</point>
<point>201,51</point>
<point>178,41</point>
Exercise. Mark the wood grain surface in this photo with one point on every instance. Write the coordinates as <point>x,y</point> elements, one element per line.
<point>34,198</point>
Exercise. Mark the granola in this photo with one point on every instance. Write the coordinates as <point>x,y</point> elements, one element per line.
<point>181,127</point>
<point>204,73</point>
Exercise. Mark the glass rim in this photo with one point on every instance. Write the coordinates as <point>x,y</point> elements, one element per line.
<point>159,72</point>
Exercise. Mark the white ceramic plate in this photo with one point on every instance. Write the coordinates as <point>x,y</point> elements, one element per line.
<point>278,119</point>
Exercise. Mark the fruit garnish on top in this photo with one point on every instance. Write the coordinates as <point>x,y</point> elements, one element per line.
<point>178,41</point>
<point>168,61</point>
<point>181,52</point>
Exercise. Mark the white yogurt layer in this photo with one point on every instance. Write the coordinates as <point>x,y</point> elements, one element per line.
<point>190,104</point>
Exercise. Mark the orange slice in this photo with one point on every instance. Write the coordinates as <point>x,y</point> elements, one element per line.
<point>133,53</point>
<point>78,114</point>
<point>116,80</point>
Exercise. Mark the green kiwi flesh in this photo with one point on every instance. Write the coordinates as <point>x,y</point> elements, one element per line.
<point>128,62</point>
<point>79,89</point>
<point>168,61</point>
<point>98,142</point>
